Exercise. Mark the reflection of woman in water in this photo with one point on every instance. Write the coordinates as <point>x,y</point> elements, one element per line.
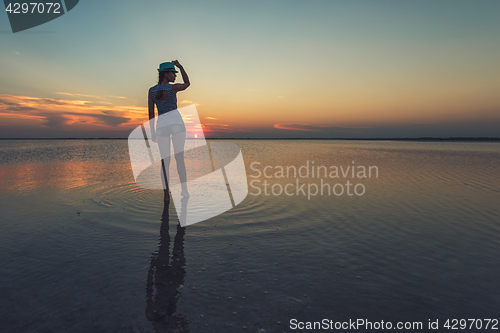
<point>170,123</point>
<point>165,279</point>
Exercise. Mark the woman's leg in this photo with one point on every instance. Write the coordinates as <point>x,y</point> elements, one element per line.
<point>164,145</point>
<point>178,141</point>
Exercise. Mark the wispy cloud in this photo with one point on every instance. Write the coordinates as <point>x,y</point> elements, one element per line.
<point>222,128</point>
<point>351,126</point>
<point>79,95</point>
<point>189,102</point>
<point>299,127</point>
<point>306,127</point>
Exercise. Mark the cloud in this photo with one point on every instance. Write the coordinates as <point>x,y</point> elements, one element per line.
<point>111,120</point>
<point>6,102</point>
<point>222,128</point>
<point>111,112</point>
<point>299,127</point>
<point>78,95</point>
<point>19,108</point>
<point>306,127</point>
<point>189,102</point>
<point>69,115</point>
<point>51,101</point>
<point>55,121</point>
<point>211,118</point>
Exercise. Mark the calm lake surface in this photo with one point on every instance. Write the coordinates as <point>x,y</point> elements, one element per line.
<point>84,249</point>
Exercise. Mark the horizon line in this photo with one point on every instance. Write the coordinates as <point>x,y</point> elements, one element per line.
<point>463,138</point>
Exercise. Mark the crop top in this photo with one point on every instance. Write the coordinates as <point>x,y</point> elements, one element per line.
<point>168,104</point>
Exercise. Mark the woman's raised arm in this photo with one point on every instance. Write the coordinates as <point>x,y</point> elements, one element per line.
<point>181,86</point>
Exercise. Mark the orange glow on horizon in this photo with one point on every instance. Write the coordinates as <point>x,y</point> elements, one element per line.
<point>26,114</point>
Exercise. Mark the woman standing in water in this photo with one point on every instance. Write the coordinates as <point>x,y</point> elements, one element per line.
<point>170,126</point>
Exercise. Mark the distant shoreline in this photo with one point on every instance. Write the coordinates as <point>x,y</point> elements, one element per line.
<point>423,139</point>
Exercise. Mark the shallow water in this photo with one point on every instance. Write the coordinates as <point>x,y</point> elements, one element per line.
<point>84,249</point>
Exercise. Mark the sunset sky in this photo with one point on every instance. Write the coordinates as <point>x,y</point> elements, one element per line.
<point>259,69</point>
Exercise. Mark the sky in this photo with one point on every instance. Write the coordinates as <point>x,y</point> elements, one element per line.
<point>259,69</point>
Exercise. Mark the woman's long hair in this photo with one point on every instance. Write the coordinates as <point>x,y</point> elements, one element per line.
<point>161,75</point>
<point>159,93</point>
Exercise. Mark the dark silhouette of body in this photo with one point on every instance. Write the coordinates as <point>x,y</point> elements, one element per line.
<point>164,96</point>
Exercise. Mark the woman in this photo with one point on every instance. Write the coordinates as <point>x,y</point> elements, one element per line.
<point>170,123</point>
